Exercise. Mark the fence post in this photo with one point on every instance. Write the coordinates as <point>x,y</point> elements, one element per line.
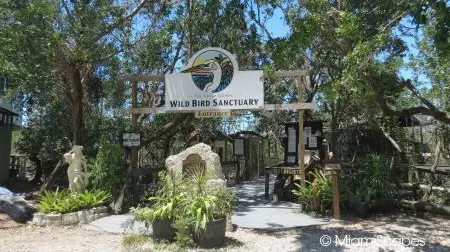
<point>334,169</point>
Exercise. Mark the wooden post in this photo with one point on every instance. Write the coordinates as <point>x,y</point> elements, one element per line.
<point>334,169</point>
<point>238,170</point>
<point>301,141</point>
<point>250,165</point>
<point>266,184</point>
<point>134,150</point>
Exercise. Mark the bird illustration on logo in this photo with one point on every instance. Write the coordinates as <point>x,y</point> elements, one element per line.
<point>211,71</point>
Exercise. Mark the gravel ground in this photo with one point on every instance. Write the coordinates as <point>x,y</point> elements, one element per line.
<point>433,231</point>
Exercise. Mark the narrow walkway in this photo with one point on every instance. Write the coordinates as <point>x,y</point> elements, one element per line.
<point>254,211</point>
<point>118,224</point>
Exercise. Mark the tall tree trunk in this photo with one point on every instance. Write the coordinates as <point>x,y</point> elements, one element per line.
<point>77,106</point>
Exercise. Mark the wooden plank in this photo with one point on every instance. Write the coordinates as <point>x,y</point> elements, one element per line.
<point>290,106</point>
<point>158,110</point>
<point>142,78</point>
<point>439,169</point>
<point>295,73</point>
<point>283,170</point>
<point>268,107</point>
<point>426,187</point>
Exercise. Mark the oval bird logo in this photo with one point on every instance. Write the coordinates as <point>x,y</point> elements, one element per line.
<point>212,71</point>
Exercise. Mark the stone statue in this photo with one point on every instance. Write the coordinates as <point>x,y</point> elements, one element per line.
<point>78,177</point>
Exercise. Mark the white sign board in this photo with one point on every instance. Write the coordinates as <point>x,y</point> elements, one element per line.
<point>212,81</point>
<point>212,114</point>
<point>312,143</point>
<point>292,140</point>
<point>131,139</point>
<point>307,131</point>
<point>239,147</point>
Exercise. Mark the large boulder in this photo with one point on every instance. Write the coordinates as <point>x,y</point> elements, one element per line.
<point>211,162</point>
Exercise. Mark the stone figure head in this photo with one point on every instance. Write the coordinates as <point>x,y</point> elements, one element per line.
<point>75,152</point>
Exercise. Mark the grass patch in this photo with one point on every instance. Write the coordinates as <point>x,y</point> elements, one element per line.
<point>132,240</point>
<point>138,242</point>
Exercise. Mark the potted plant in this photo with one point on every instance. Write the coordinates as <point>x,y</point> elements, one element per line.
<point>163,211</point>
<point>205,208</point>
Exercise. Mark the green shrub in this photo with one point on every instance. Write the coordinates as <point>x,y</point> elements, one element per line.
<point>165,202</point>
<point>202,203</point>
<point>371,182</point>
<point>104,168</point>
<point>189,203</point>
<point>318,194</point>
<point>65,202</point>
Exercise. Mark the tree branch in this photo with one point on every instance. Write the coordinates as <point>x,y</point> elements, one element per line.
<point>120,21</point>
<point>405,112</point>
<point>402,113</point>
<point>66,8</point>
<point>177,54</point>
<point>416,93</point>
<point>391,140</point>
<point>166,129</point>
<point>123,49</point>
<point>393,21</point>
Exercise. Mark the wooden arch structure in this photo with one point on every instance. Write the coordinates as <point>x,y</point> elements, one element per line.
<point>299,75</point>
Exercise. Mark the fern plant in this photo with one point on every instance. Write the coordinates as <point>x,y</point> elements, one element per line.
<point>63,201</point>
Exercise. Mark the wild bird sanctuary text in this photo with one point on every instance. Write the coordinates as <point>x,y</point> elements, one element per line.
<point>213,103</point>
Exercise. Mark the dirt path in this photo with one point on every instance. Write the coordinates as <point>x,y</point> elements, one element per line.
<point>17,237</point>
<point>433,231</point>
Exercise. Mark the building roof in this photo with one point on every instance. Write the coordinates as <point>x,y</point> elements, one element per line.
<point>6,111</point>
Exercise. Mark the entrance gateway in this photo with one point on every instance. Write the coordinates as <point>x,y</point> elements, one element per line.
<point>211,85</point>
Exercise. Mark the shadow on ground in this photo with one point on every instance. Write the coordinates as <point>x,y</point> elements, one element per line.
<point>389,232</point>
<point>254,211</point>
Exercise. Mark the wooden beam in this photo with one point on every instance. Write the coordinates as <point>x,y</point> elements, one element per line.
<point>301,138</point>
<point>439,169</point>
<point>295,73</point>
<point>290,106</point>
<point>157,110</point>
<point>142,78</point>
<point>269,107</point>
<point>425,187</point>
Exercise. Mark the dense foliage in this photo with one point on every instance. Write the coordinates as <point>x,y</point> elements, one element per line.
<point>104,169</point>
<point>63,201</point>
<point>372,64</point>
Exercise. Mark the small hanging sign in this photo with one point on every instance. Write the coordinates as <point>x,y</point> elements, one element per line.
<point>212,114</point>
<point>131,139</point>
